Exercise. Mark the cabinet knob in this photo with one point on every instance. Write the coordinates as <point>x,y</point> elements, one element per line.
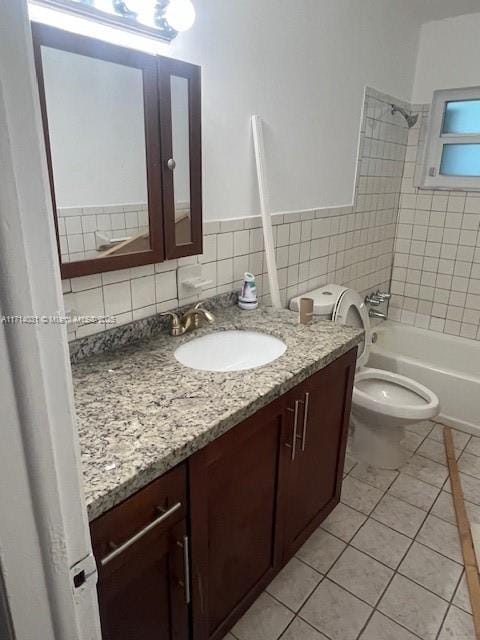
<point>171,164</point>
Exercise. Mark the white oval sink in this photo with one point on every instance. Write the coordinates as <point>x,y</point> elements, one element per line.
<point>230,351</point>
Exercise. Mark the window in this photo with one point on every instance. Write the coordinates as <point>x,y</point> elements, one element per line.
<point>452,154</point>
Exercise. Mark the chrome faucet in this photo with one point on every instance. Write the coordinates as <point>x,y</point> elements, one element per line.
<point>377,314</point>
<point>190,320</point>
<point>377,298</point>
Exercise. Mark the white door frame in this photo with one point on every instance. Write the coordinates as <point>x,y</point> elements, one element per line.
<point>43,524</point>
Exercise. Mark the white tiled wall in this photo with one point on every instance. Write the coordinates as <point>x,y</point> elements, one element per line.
<point>436,275</point>
<point>347,245</point>
<point>77,227</point>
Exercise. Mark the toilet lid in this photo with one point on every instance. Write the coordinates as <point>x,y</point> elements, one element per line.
<point>351,310</point>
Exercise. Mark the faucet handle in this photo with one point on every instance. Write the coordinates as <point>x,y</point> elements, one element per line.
<point>176,324</point>
<point>383,295</point>
<point>373,300</point>
<point>207,314</point>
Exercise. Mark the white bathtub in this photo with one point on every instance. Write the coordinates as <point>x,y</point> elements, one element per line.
<point>448,365</point>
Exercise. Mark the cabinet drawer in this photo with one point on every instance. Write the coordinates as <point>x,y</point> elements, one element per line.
<point>130,519</point>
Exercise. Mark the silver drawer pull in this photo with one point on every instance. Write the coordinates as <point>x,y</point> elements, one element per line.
<point>293,446</point>
<point>135,538</point>
<point>185,545</point>
<point>305,420</point>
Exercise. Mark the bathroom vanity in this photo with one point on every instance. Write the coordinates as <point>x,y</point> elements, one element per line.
<point>200,486</point>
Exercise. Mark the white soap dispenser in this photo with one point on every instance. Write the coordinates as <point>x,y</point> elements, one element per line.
<point>247,298</point>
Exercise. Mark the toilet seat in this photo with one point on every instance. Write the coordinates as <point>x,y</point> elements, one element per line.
<point>350,309</point>
<point>394,395</point>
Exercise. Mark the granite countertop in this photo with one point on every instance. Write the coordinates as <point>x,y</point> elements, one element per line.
<point>140,412</point>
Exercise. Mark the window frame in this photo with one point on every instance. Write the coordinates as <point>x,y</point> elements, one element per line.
<point>436,140</point>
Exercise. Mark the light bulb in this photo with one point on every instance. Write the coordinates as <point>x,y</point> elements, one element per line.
<point>180,14</point>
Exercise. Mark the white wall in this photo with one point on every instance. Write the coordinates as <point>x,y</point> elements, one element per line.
<point>448,58</point>
<point>303,67</point>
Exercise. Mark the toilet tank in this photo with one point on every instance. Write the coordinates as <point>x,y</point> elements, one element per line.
<point>324,300</point>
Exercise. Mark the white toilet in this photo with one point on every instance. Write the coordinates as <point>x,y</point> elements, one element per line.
<point>383,402</point>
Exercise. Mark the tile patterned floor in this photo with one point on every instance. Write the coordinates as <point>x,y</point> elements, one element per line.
<point>386,564</point>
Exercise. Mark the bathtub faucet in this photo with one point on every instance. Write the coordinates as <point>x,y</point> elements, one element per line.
<point>377,298</point>
<point>377,314</point>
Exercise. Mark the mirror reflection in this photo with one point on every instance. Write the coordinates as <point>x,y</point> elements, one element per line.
<point>96,121</point>
<point>181,159</point>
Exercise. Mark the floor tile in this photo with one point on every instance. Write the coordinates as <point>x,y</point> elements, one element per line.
<point>473,446</point>
<point>470,464</point>
<point>361,575</point>
<point>460,438</point>
<point>335,612</point>
<point>300,630</point>
<point>382,628</point>
<point>344,522</point>
<point>349,464</point>
<point>413,607</point>
<point>379,478</point>
<point>359,495</point>
<point>443,508</point>
<point>382,543</point>
<point>423,428</point>
<point>399,515</point>
<point>458,625</point>
<point>411,441</point>
<point>426,470</point>
<point>414,491</point>
<point>470,486</point>
<point>432,570</point>
<point>434,450</point>
<point>441,536</point>
<point>265,620</point>
<point>321,550</point>
<point>462,596</point>
<point>294,584</point>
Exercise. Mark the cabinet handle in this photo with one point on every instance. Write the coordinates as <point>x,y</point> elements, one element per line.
<point>171,164</point>
<point>305,420</point>
<point>185,545</point>
<point>293,446</point>
<point>128,543</point>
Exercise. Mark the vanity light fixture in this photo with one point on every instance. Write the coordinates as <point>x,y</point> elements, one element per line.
<point>180,14</point>
<point>161,19</point>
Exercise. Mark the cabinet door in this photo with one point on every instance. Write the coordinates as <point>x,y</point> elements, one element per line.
<point>180,123</point>
<point>143,591</point>
<point>233,497</point>
<point>100,110</point>
<point>314,472</point>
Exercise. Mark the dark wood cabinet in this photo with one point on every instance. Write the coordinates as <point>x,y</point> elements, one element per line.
<point>142,591</point>
<point>127,125</point>
<point>255,494</point>
<point>234,517</point>
<point>313,473</point>
<point>260,490</point>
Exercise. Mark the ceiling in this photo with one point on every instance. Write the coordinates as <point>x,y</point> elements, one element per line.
<point>428,10</point>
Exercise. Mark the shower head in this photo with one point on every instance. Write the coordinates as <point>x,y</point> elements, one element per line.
<point>410,119</point>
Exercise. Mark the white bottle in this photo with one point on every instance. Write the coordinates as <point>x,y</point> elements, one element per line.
<point>247,298</point>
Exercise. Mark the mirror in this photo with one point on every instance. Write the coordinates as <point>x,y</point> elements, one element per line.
<point>181,158</point>
<point>123,144</point>
<point>96,124</point>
